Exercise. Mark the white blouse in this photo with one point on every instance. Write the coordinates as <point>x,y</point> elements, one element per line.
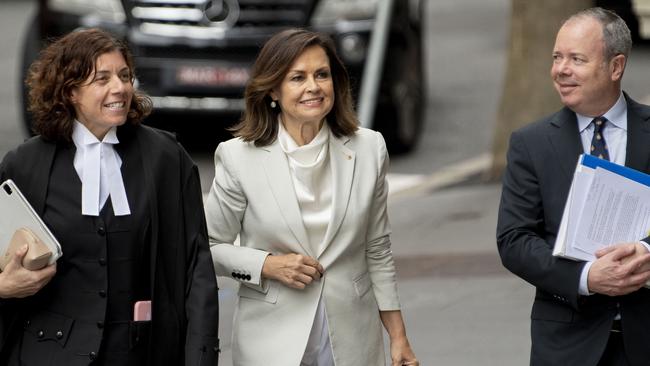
<point>312,181</point>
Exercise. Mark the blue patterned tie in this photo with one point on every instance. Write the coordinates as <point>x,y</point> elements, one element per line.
<point>598,144</point>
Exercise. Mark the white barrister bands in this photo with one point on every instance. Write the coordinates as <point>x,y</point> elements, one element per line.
<point>98,167</point>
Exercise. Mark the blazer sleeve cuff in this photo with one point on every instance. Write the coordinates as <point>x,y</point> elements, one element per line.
<point>239,263</point>
<point>389,305</point>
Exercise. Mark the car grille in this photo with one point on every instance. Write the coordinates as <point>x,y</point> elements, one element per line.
<point>217,18</point>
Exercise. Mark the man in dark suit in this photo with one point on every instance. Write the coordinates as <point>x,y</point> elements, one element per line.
<point>584,313</point>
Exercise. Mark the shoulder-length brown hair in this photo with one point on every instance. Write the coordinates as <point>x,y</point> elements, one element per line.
<point>260,122</point>
<point>64,65</point>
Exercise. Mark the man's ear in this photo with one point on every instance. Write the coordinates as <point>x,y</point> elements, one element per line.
<point>617,66</point>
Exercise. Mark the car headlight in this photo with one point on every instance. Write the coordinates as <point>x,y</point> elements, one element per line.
<point>328,12</point>
<point>98,10</point>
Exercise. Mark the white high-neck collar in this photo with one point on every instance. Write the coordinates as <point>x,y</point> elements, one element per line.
<point>305,155</point>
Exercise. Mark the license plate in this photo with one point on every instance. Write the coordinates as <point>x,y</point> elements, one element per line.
<point>224,76</point>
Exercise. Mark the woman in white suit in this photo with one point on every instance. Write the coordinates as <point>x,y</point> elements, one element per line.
<point>304,188</point>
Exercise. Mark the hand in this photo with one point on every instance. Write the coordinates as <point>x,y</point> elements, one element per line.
<point>293,270</point>
<point>17,281</point>
<point>639,250</point>
<point>401,353</point>
<point>619,270</point>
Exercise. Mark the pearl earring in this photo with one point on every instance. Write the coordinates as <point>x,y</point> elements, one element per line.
<point>273,104</point>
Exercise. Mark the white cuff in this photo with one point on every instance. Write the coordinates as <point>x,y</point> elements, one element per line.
<point>583,288</point>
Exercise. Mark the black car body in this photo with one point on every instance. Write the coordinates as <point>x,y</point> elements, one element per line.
<point>193,56</point>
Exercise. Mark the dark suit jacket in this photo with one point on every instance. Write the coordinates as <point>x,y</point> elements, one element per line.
<point>566,328</point>
<point>184,300</point>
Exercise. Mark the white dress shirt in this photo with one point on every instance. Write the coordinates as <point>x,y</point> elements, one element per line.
<point>615,132</point>
<point>98,166</point>
<point>312,181</point>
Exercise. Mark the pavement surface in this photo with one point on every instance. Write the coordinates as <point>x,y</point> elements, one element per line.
<point>460,305</point>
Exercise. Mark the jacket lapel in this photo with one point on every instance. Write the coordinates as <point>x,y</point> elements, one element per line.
<point>564,137</point>
<point>342,160</point>
<point>638,136</point>
<point>277,172</point>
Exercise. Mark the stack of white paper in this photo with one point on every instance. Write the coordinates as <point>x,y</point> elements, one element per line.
<point>607,204</point>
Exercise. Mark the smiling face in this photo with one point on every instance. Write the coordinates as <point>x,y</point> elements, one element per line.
<point>586,82</point>
<point>306,94</point>
<point>103,100</point>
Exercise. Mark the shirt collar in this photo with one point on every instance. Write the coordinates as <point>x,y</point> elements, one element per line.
<point>617,115</point>
<point>81,135</point>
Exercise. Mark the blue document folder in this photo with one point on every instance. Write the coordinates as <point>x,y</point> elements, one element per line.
<point>575,226</point>
<point>629,173</point>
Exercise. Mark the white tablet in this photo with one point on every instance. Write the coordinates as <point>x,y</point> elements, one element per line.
<point>16,213</point>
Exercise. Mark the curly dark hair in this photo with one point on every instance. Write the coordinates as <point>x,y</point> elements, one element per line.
<point>259,122</point>
<point>65,65</point>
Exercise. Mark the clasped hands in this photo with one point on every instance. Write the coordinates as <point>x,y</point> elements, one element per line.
<point>293,270</point>
<point>619,269</point>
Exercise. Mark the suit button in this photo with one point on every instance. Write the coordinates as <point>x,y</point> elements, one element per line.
<point>59,334</point>
<point>215,349</point>
<point>101,231</point>
<point>100,324</point>
<point>102,261</point>
<point>92,356</point>
<point>40,334</point>
<point>27,323</point>
<point>102,293</point>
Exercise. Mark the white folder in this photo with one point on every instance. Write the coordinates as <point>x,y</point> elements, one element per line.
<point>16,213</point>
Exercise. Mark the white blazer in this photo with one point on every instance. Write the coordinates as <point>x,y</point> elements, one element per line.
<point>252,195</point>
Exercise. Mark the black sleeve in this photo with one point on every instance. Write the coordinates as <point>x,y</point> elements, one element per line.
<point>201,303</point>
<point>5,166</point>
<point>7,310</point>
<point>521,228</point>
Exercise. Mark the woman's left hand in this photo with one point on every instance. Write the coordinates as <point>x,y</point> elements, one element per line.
<point>400,349</point>
<point>401,353</point>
